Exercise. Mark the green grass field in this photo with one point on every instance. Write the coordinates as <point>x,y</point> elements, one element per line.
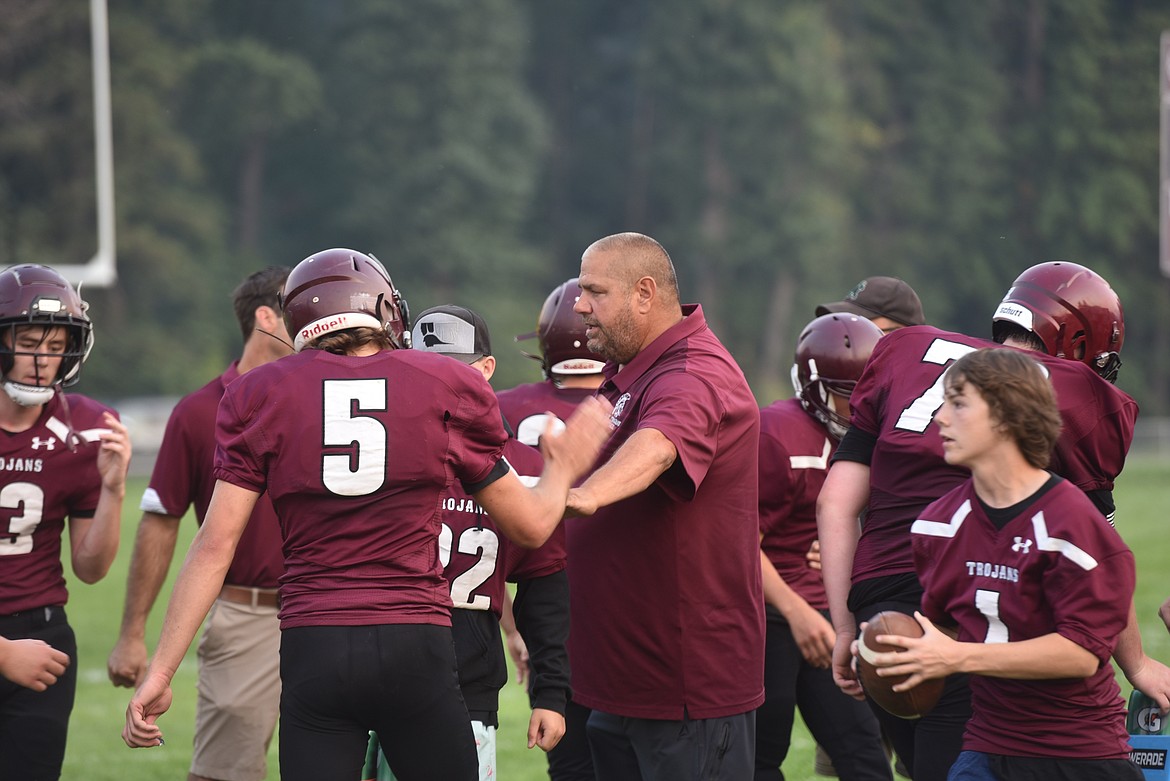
<point>96,751</point>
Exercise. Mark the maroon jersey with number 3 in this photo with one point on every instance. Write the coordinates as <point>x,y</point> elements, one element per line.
<point>356,453</point>
<point>794,458</point>
<point>1056,566</point>
<point>47,473</point>
<point>895,401</point>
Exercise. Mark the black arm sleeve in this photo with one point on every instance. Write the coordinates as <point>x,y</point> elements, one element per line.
<point>541,608</point>
<point>856,445</point>
<point>1103,499</point>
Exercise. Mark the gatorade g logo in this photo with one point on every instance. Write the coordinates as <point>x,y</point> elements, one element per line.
<point>1150,720</point>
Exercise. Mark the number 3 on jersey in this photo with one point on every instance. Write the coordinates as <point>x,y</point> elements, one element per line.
<point>918,415</point>
<point>362,470</point>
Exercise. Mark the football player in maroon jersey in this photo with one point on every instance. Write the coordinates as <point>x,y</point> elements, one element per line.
<point>239,675</point>
<point>571,374</point>
<point>1019,568</point>
<point>890,464</point>
<point>797,437</point>
<point>355,440</point>
<point>62,457</point>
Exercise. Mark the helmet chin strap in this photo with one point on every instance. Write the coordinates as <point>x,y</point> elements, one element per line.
<point>29,395</point>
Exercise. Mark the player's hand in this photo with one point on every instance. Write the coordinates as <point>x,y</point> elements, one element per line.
<point>814,635</point>
<point>113,458</point>
<point>813,557</point>
<point>844,674</point>
<point>934,655</point>
<point>1164,612</point>
<point>545,729</point>
<point>1152,678</point>
<point>518,650</point>
<point>33,664</point>
<point>152,700</point>
<point>127,662</point>
<point>575,449</point>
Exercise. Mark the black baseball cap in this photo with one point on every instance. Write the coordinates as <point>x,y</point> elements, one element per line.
<point>452,330</point>
<point>880,297</point>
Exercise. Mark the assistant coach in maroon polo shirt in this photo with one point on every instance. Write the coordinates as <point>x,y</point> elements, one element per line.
<point>667,637</point>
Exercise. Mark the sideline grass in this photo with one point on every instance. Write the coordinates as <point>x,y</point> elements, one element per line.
<point>96,751</point>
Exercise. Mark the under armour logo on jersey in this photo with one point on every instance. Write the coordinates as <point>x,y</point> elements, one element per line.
<point>615,417</point>
<point>47,444</point>
<point>431,339</point>
<point>1021,545</point>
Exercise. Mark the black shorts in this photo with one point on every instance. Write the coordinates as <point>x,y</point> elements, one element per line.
<point>34,725</point>
<point>399,680</point>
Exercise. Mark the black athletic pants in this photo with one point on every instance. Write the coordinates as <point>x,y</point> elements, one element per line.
<point>33,725</point>
<point>399,680</point>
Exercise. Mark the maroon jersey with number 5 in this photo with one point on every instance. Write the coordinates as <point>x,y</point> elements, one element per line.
<point>356,453</point>
<point>1053,566</point>
<point>895,401</point>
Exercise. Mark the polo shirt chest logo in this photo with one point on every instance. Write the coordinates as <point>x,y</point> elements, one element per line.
<point>615,417</point>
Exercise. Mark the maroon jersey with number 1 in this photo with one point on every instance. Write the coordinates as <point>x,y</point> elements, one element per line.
<point>1053,566</point>
<point>47,473</point>
<point>356,453</point>
<point>794,459</point>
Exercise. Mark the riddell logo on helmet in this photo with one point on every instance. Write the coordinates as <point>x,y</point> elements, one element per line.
<point>324,326</point>
<point>570,366</point>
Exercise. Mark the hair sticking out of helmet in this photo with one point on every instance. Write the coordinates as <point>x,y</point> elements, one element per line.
<point>830,354</point>
<point>338,289</point>
<point>39,297</point>
<point>1071,309</point>
<point>561,334</point>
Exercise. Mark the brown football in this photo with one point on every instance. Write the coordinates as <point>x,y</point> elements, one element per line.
<point>909,704</point>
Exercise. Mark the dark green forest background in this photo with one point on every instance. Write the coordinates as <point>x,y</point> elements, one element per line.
<point>781,151</point>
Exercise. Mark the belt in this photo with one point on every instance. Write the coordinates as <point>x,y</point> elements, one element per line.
<point>247,595</point>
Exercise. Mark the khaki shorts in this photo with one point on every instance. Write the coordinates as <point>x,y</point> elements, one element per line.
<point>239,692</point>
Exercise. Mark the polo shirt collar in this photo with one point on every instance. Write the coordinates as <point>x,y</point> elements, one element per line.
<point>622,377</point>
<point>231,373</point>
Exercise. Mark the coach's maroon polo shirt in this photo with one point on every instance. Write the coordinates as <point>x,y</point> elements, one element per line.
<point>667,607</point>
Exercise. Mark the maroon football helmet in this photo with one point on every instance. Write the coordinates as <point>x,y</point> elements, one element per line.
<point>561,335</point>
<point>337,289</point>
<point>830,354</point>
<point>38,295</point>
<point>1071,309</point>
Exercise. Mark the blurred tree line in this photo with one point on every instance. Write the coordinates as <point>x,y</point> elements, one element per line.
<point>781,151</point>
